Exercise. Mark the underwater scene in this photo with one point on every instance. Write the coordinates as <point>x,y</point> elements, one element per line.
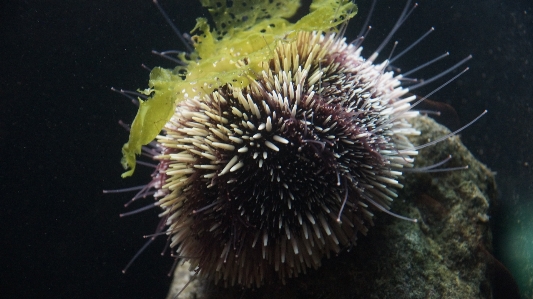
<point>267,149</point>
<point>249,82</point>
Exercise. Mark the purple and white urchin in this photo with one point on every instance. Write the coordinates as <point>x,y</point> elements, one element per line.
<point>262,182</point>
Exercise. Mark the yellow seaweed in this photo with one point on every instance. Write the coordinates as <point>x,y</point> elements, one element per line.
<point>232,53</point>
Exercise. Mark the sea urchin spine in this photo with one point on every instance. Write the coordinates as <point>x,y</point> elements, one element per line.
<point>266,180</point>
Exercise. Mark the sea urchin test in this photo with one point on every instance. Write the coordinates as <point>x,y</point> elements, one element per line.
<point>275,141</point>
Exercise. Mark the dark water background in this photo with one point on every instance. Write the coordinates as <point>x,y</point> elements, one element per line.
<point>60,141</point>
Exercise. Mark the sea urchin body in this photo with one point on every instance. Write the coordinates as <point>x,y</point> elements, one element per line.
<point>264,181</point>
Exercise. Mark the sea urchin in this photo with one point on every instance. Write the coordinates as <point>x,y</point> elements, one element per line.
<point>275,176</point>
<point>260,178</point>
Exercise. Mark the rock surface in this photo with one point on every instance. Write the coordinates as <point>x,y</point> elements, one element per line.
<point>444,255</point>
